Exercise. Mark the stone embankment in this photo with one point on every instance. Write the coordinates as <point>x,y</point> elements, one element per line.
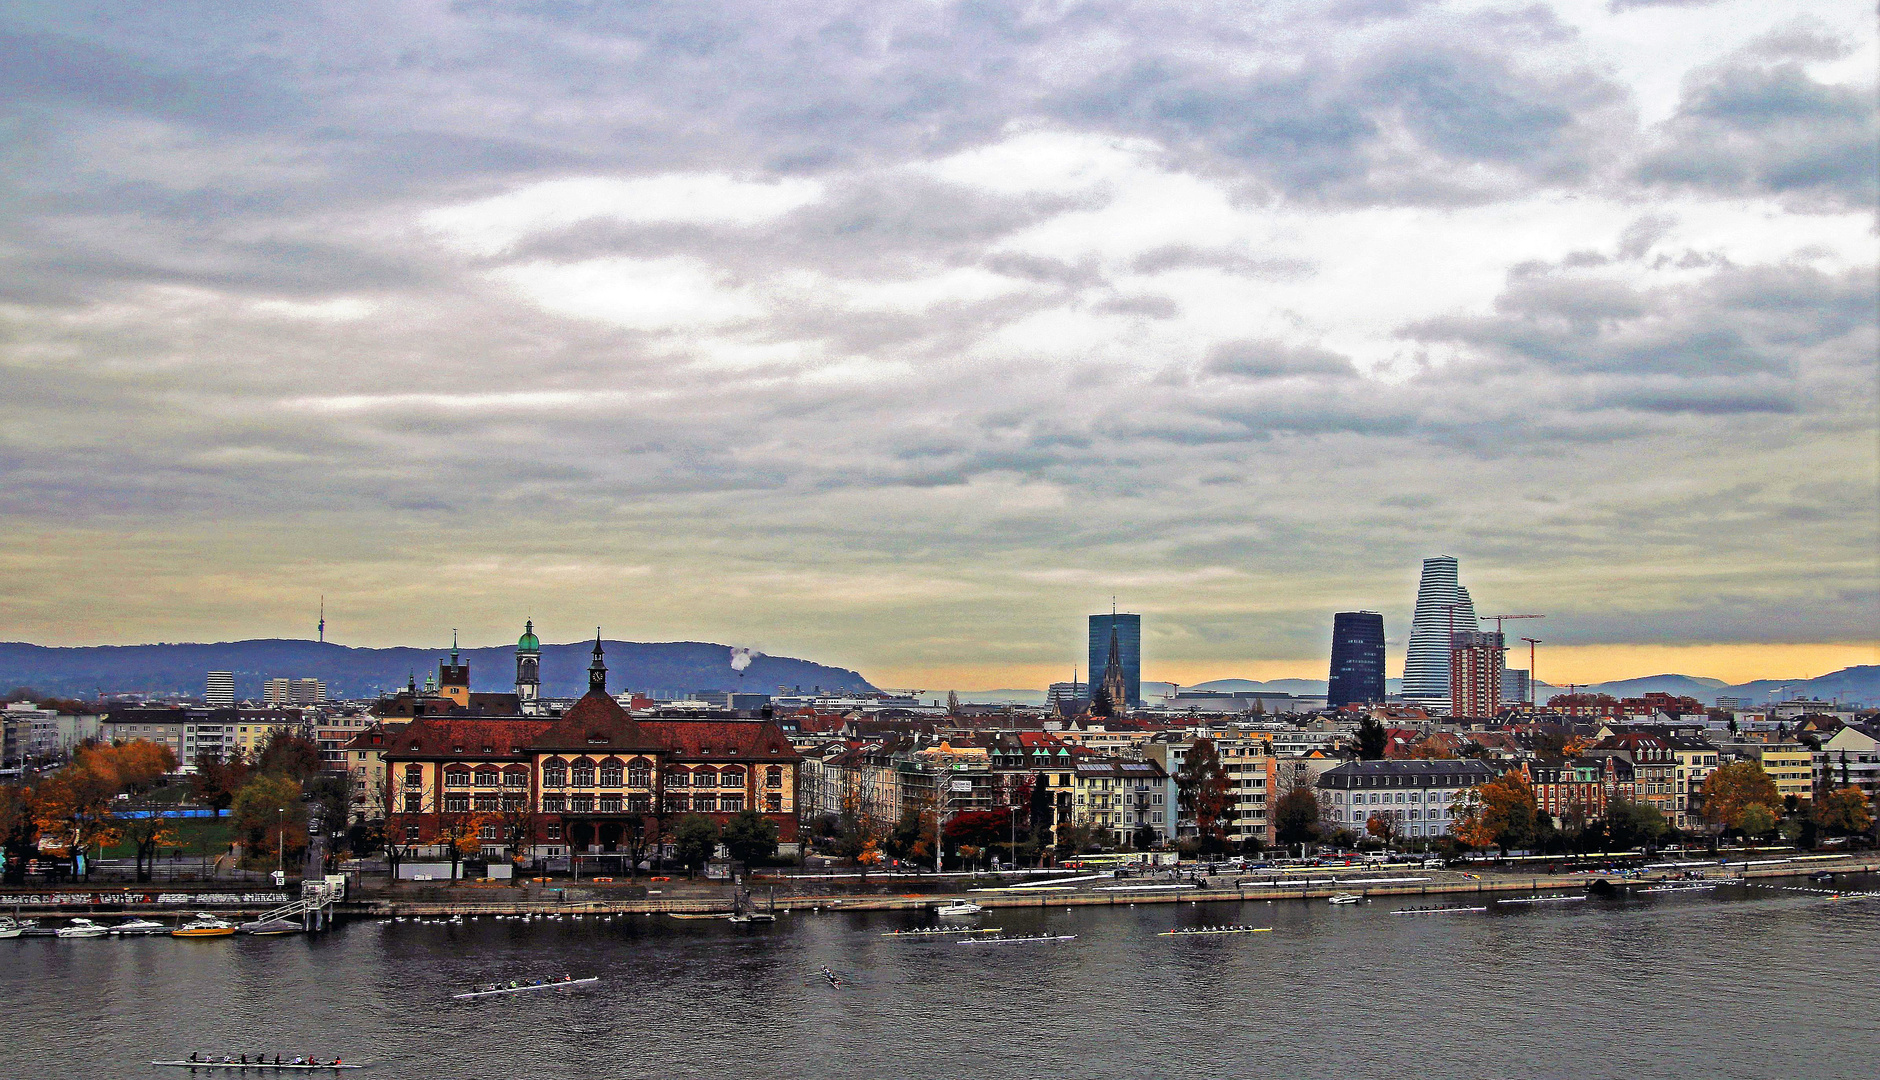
<point>1223,888</point>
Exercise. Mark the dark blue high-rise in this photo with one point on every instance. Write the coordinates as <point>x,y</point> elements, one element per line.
<point>1129,641</point>
<point>1357,658</point>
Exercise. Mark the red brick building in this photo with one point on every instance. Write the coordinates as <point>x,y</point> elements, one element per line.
<point>592,781</point>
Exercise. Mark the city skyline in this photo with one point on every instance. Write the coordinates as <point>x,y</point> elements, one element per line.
<point>496,313</point>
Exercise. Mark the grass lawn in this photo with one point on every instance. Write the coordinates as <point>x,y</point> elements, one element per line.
<point>190,836</point>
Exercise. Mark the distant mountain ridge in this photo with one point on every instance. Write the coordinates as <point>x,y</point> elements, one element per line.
<point>670,667</point>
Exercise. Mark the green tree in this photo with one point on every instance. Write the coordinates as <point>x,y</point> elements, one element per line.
<point>1756,820</point>
<point>1631,824</point>
<point>1202,791</point>
<point>1296,817</point>
<point>1372,739</point>
<point>751,837</point>
<point>267,813</point>
<point>695,837</point>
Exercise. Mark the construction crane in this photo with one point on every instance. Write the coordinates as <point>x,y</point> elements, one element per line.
<point>1499,619</point>
<point>1532,698</point>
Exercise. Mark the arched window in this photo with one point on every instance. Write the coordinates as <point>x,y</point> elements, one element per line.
<point>640,773</point>
<point>489,776</point>
<point>731,778</point>
<point>678,778</point>
<point>583,772</point>
<point>613,773</point>
<point>515,776</point>
<point>554,773</point>
<point>456,776</point>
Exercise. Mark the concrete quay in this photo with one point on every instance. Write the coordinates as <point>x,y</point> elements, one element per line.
<point>1370,885</point>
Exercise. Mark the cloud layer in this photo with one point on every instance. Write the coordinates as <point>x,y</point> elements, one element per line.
<point>899,335</point>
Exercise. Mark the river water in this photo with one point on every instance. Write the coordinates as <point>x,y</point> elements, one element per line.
<point>1745,981</point>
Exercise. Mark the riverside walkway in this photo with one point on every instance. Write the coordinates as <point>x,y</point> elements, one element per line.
<point>1368,883</point>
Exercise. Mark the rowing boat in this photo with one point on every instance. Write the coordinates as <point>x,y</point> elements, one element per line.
<point>238,1066</point>
<point>1200,930</point>
<point>531,986</point>
<point>1678,888</point>
<point>1438,910</point>
<point>1539,899</point>
<point>938,931</point>
<point>1031,940</point>
<point>714,915</point>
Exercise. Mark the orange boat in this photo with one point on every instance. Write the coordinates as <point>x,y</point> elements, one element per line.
<point>204,925</point>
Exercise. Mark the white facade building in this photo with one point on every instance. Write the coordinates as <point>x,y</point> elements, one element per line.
<point>1416,795</point>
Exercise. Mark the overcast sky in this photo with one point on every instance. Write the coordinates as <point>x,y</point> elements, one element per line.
<point>901,336</point>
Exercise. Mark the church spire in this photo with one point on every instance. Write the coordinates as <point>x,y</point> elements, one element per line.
<point>597,671</point>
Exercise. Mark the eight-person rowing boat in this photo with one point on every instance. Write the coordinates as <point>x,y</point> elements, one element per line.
<point>1196,931</point>
<point>518,986</point>
<point>260,1061</point>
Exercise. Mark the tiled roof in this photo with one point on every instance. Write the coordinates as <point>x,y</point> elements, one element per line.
<point>752,739</point>
<point>595,723</point>
<point>441,736</point>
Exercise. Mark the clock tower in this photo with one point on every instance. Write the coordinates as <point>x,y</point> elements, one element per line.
<point>529,670</point>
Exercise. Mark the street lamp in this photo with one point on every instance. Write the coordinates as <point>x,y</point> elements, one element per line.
<point>280,844</point>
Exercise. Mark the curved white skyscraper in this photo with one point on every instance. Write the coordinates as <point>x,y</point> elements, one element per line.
<point>1426,667</point>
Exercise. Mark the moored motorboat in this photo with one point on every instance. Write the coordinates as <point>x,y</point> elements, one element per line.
<point>959,907</point>
<point>12,928</point>
<point>83,928</point>
<point>1344,898</point>
<point>204,925</point>
<point>266,927</point>
<point>139,926</point>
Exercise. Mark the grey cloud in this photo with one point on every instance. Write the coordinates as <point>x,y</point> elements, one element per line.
<point>1182,256</point>
<point>1273,360</point>
<point>1754,128</point>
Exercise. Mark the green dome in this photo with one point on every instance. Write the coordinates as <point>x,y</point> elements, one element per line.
<point>528,642</point>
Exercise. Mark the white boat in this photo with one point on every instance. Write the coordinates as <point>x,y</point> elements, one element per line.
<point>1437,910</point>
<point>1022,939</point>
<point>1679,888</point>
<point>1199,931</point>
<point>1344,898</point>
<point>555,984</point>
<point>940,931</point>
<point>83,928</point>
<point>265,927</point>
<point>959,907</point>
<point>1540,899</point>
<point>139,926</point>
<point>12,928</point>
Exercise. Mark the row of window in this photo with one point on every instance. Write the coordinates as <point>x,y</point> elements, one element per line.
<point>1414,796</point>
<point>584,776</point>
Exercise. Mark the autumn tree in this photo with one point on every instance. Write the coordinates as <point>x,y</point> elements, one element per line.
<point>1756,820</point>
<point>1843,812</point>
<point>147,832</point>
<point>73,807</point>
<point>1736,787</point>
<point>1202,792</point>
<point>216,781</point>
<point>291,754</point>
<point>1384,827</point>
<point>461,834</point>
<point>1495,813</point>
<point>268,814</point>
<point>137,764</point>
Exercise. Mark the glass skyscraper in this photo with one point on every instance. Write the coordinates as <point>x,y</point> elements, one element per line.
<point>1357,658</point>
<point>1129,638</point>
<point>1442,605</point>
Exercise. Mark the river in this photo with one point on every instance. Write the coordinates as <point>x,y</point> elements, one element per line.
<point>1747,981</point>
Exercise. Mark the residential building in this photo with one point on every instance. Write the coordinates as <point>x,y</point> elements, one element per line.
<point>1849,758</point>
<point>1696,760</point>
<point>1579,790</point>
<point>1790,764</point>
<point>157,725</point>
<point>1475,663</point>
<point>1517,686</point>
<point>1654,767</point>
<point>1119,797</point>
<point>1417,796</point>
<point>219,688</point>
<point>293,692</point>
<point>1127,631</point>
<point>254,727</point>
<point>1443,607</point>
<point>1357,673</point>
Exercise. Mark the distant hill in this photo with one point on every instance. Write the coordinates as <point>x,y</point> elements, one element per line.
<point>670,667</point>
<point>1855,684</point>
<point>1676,685</point>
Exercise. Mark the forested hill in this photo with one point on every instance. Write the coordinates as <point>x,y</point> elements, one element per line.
<point>662,667</point>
